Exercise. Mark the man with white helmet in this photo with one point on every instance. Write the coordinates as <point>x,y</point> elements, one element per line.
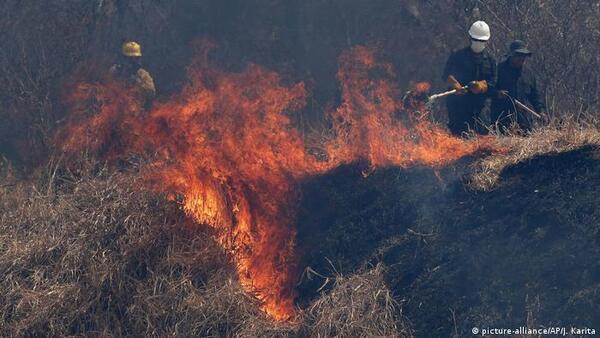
<point>472,71</point>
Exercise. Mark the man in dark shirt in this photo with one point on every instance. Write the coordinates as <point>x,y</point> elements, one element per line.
<point>475,67</point>
<point>515,82</point>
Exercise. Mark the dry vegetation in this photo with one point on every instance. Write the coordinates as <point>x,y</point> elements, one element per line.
<point>99,256</point>
<point>359,305</point>
<point>553,139</point>
<point>92,254</point>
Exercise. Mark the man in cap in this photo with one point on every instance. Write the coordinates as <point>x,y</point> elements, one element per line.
<point>129,69</point>
<point>472,72</point>
<point>515,82</point>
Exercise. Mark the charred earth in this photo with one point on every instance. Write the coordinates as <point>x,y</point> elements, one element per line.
<point>525,253</point>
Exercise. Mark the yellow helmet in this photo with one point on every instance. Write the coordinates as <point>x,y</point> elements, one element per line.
<point>131,48</point>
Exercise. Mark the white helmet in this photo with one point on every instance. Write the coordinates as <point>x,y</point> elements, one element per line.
<point>480,31</point>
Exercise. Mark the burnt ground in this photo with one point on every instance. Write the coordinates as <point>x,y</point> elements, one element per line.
<point>526,252</point>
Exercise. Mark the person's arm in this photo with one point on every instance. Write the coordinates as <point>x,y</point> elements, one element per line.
<point>146,82</point>
<point>535,97</point>
<point>449,75</point>
<point>492,78</point>
<point>487,76</point>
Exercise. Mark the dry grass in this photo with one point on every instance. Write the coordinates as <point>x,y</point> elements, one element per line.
<point>359,305</point>
<point>102,257</point>
<point>518,148</point>
<point>98,256</point>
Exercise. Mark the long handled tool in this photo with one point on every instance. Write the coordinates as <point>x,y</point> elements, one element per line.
<point>521,105</point>
<point>444,94</point>
<point>517,103</point>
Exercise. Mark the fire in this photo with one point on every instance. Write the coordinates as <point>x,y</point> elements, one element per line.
<point>231,152</point>
<point>369,127</point>
<point>100,117</point>
<point>422,87</point>
<point>227,146</point>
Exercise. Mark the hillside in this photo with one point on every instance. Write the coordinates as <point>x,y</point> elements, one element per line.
<point>525,252</point>
<point>389,254</point>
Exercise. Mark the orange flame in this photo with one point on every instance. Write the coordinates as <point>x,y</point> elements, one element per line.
<point>227,146</point>
<point>422,87</point>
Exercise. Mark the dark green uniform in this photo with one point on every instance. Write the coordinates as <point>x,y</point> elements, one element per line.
<point>465,110</point>
<point>521,84</point>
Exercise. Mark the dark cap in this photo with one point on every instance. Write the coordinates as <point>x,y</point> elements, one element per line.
<point>519,47</point>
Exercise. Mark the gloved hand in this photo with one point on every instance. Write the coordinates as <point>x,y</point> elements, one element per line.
<point>478,87</point>
<point>456,85</point>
